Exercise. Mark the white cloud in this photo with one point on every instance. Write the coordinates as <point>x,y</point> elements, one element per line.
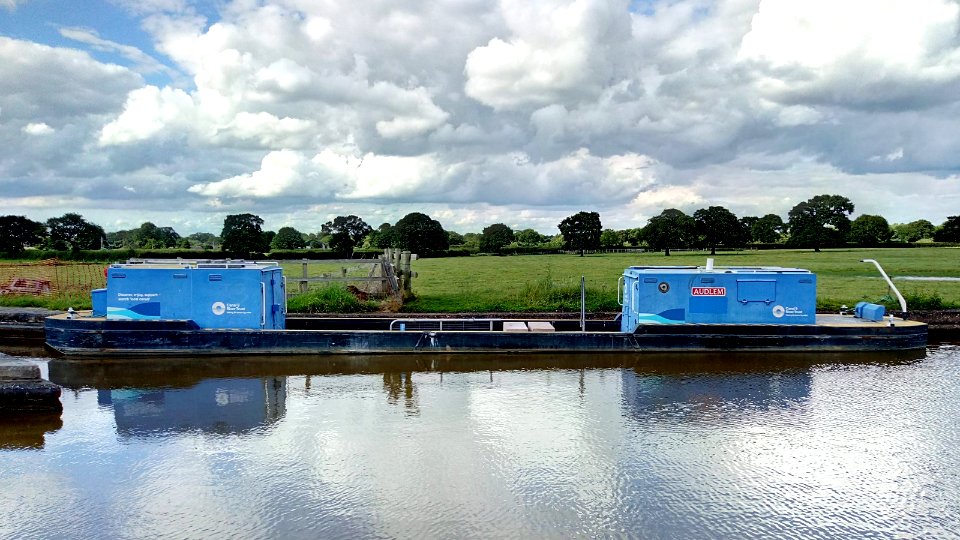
<point>148,111</point>
<point>283,172</point>
<point>37,128</point>
<point>327,176</point>
<point>522,111</point>
<point>856,51</point>
<point>554,53</point>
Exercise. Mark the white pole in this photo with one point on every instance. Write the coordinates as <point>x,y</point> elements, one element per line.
<point>903,303</point>
<point>583,304</point>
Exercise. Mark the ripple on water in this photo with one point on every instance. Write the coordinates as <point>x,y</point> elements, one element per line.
<point>823,450</point>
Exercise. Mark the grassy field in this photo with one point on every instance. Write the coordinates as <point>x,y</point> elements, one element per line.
<point>552,282</point>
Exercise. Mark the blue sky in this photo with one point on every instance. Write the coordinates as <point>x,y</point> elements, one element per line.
<point>475,111</point>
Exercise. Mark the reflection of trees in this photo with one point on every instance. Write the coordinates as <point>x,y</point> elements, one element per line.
<point>400,384</point>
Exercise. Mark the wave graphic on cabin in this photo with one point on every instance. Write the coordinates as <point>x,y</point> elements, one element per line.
<point>670,316</point>
<point>146,311</point>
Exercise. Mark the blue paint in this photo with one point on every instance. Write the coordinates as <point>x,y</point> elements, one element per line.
<point>235,295</point>
<point>721,295</point>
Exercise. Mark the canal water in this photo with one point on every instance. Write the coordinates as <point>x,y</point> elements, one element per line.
<point>666,446</point>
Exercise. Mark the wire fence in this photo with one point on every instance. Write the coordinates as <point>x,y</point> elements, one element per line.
<point>50,278</point>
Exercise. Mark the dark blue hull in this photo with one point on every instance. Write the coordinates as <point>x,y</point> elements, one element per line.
<point>87,336</point>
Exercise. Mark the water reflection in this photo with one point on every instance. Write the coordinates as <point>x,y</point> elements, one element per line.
<point>220,406</point>
<point>664,446</point>
<point>706,385</point>
<point>27,430</point>
<point>400,385</point>
<point>187,371</point>
<point>234,395</point>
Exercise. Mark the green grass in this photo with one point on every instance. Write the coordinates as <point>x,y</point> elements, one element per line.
<point>76,300</point>
<point>552,282</point>
<point>329,299</point>
<point>533,283</point>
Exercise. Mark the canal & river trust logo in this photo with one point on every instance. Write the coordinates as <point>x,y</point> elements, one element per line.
<point>219,308</point>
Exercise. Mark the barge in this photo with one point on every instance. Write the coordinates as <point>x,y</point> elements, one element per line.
<point>229,308</point>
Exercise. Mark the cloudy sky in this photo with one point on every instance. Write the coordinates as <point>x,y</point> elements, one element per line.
<point>181,112</point>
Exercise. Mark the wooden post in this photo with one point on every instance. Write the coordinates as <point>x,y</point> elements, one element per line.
<point>303,284</point>
<point>407,274</point>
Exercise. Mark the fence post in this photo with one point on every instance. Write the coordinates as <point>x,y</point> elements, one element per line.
<point>303,284</point>
<point>407,275</point>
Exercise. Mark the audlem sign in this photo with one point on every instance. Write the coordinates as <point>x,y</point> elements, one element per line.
<point>709,291</point>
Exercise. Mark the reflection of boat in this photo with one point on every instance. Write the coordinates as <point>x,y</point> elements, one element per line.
<point>234,307</point>
<point>140,372</point>
<point>212,405</point>
<point>719,384</point>
<point>236,394</point>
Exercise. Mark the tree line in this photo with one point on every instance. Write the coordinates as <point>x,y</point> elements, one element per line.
<point>820,222</point>
<point>242,234</point>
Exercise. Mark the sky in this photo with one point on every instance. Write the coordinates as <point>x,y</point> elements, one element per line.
<point>475,112</point>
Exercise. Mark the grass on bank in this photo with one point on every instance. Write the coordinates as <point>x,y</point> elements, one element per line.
<point>552,282</point>
<point>333,298</point>
<point>541,283</point>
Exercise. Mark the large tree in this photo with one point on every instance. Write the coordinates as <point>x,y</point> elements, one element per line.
<point>820,222</point>
<point>385,236</point>
<point>717,226</point>
<point>914,231</point>
<point>672,228</point>
<point>949,231</point>
<point>495,237</point>
<point>149,235</point>
<point>345,233</point>
<point>288,238</point>
<point>204,240</point>
<point>420,234</point>
<point>455,238</point>
<point>870,231</point>
<point>73,232</point>
<point>243,234</point>
<point>530,237</point>
<point>18,232</point>
<point>612,239</point>
<point>581,231</point>
<point>767,229</point>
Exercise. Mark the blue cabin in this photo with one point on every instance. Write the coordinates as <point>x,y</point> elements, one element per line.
<point>213,294</point>
<point>717,295</point>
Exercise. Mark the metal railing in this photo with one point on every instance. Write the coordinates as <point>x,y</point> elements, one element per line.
<point>470,325</point>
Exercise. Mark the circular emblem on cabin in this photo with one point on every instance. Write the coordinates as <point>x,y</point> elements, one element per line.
<point>218,308</point>
<point>663,286</point>
<point>778,311</point>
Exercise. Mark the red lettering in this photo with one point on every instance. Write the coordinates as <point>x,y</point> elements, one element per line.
<point>709,291</point>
